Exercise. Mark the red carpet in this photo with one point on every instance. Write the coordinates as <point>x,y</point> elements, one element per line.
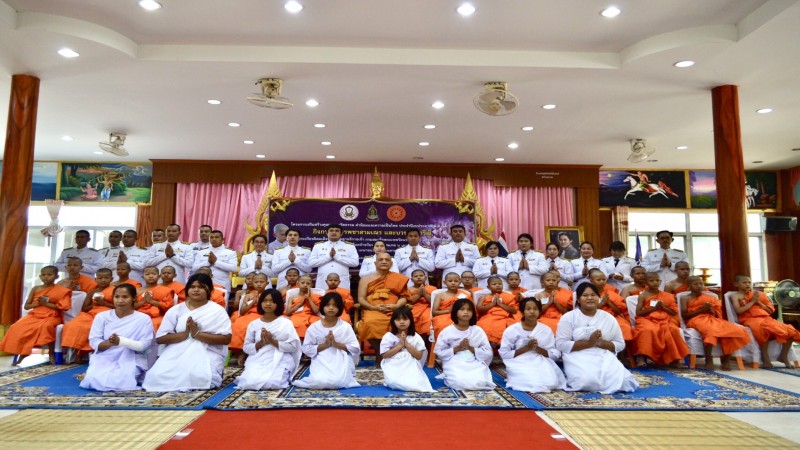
<point>369,429</point>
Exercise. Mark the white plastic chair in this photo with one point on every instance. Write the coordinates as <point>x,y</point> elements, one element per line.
<point>694,339</point>
<point>293,293</point>
<point>631,302</point>
<point>78,297</point>
<point>752,352</point>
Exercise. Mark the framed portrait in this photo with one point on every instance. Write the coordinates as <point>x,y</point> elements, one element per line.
<point>568,240</point>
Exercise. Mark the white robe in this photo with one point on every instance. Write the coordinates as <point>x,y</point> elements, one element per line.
<point>331,368</point>
<point>593,369</point>
<point>118,368</point>
<point>402,371</point>
<point>190,364</point>
<point>530,371</point>
<point>270,367</point>
<point>465,370</point>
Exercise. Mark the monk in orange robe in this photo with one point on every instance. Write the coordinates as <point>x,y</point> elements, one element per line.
<point>658,334</point>
<point>123,273</point>
<point>379,294</point>
<point>241,294</point>
<point>703,312</point>
<point>514,287</point>
<point>444,301</point>
<point>556,300</point>
<point>291,277</point>
<point>76,333</point>
<point>420,299</point>
<point>638,286</point>
<point>498,309</point>
<point>333,280</point>
<point>680,284</point>
<point>755,309</point>
<point>248,312</point>
<point>468,280</point>
<point>168,280</point>
<point>304,309</point>
<point>47,303</point>
<point>153,299</point>
<point>612,303</point>
<point>75,280</point>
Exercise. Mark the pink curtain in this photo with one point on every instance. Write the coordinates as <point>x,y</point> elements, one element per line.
<point>514,210</point>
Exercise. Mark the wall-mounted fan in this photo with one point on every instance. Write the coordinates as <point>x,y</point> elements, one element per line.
<point>495,100</point>
<point>270,96</point>
<point>115,144</point>
<point>640,151</point>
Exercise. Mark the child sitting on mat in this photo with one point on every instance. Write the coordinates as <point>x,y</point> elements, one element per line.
<point>402,353</point>
<point>464,350</point>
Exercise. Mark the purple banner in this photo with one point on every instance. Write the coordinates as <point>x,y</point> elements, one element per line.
<point>366,221</point>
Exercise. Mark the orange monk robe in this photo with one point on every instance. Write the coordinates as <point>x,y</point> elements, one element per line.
<point>76,333</point>
<point>165,298</point>
<point>714,328</point>
<point>385,290</point>
<point>682,288</point>
<point>623,318</point>
<point>130,281</point>
<point>763,326</point>
<point>84,283</point>
<point>657,335</point>
<point>421,310</point>
<point>38,327</point>
<point>638,290</point>
<point>348,303</point>
<point>239,325</point>
<point>178,289</point>
<point>495,321</point>
<point>235,315</point>
<point>552,315</point>
<point>304,318</point>
<point>442,321</point>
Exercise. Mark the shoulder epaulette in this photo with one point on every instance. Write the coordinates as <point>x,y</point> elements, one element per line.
<point>282,246</point>
<point>92,249</point>
<point>679,250</point>
<point>186,243</point>
<point>446,242</point>
<point>652,249</point>
<point>348,242</point>
<point>370,256</point>
<point>424,246</point>
<point>321,242</point>
<point>305,248</point>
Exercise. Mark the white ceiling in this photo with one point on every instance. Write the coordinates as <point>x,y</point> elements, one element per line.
<point>376,67</point>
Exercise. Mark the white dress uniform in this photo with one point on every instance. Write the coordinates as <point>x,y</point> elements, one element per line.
<point>248,265</point>
<point>281,262</point>
<point>181,261</point>
<point>90,257</point>
<point>221,270</point>
<point>483,270</point>
<point>565,269</point>
<point>136,256</point>
<point>109,261</point>
<point>275,245</point>
<point>346,257</point>
<point>579,264</point>
<point>620,266</point>
<point>404,264</point>
<point>531,278</point>
<point>368,266</point>
<point>652,263</point>
<point>200,245</point>
<point>446,257</point>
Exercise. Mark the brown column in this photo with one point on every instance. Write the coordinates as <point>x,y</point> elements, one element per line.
<point>15,193</point>
<point>587,205</point>
<point>731,209</point>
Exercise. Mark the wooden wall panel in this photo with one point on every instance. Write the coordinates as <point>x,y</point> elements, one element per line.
<point>163,205</point>
<point>783,248</point>
<point>606,234</point>
<point>587,214</point>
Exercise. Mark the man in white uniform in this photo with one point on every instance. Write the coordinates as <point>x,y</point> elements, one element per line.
<point>111,253</point>
<point>171,252</point>
<point>90,257</point>
<point>662,260</point>
<point>257,261</point>
<point>528,263</point>
<point>414,256</point>
<point>219,258</point>
<point>333,256</point>
<point>290,256</point>
<point>204,232</point>
<point>133,255</point>
<point>618,266</point>
<point>457,255</point>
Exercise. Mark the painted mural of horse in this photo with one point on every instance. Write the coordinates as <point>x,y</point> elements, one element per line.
<point>649,188</point>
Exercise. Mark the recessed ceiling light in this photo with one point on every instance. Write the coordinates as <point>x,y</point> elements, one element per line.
<point>68,53</point>
<point>214,102</point>
<point>527,128</point>
<point>293,6</point>
<point>499,159</point>
<point>248,142</point>
<point>549,106</point>
<point>513,146</point>
<point>326,143</point>
<point>438,104</point>
<point>430,126</point>
<point>233,124</point>
<point>611,11</point>
<point>681,147</point>
<point>150,5</point>
<point>764,110</point>
<point>684,64</point>
<point>319,125</point>
<point>312,103</point>
<point>466,9</point>
<point>331,156</point>
<point>424,144</point>
<point>261,156</point>
<point>418,158</point>
<point>98,153</point>
<point>66,138</point>
<point>757,162</point>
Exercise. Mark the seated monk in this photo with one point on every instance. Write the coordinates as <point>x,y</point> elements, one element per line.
<point>468,282</point>
<point>291,277</point>
<point>514,287</point>
<point>612,303</point>
<point>168,280</point>
<point>248,312</point>
<point>703,312</point>
<point>680,284</point>
<point>246,290</point>
<point>420,300</point>
<point>153,299</point>
<point>333,280</point>
<point>658,334</point>
<point>443,303</point>
<point>75,334</point>
<point>498,310</point>
<point>556,300</point>
<point>638,286</point>
<point>123,276</point>
<point>75,280</point>
<point>303,310</point>
<point>755,309</point>
<point>379,294</point>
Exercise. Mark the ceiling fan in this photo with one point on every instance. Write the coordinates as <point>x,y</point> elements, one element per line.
<point>115,144</point>
<point>495,99</point>
<point>640,151</point>
<point>270,95</point>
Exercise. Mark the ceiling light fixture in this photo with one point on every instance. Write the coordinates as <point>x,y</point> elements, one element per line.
<point>233,124</point>
<point>529,128</point>
<point>98,153</point>
<point>68,53</point>
<point>214,102</point>
<point>150,5</point>
<point>312,103</point>
<point>261,156</point>
<point>684,64</point>
<point>331,156</point>
<point>326,143</point>
<point>248,142</point>
<point>764,110</point>
<point>466,9</point>
<point>424,144</point>
<point>549,106</point>
<point>499,159</point>
<point>610,12</point>
<point>66,138</point>
<point>293,6</point>
<point>438,104</point>
<point>430,126</point>
<point>513,146</point>
<point>681,147</point>
<point>319,125</point>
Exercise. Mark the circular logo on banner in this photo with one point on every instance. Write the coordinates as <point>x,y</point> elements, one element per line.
<point>348,212</point>
<point>396,213</point>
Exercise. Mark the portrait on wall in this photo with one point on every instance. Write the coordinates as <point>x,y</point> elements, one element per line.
<point>106,182</point>
<point>638,188</point>
<point>703,189</point>
<point>568,240</point>
<point>761,190</point>
<point>44,180</point>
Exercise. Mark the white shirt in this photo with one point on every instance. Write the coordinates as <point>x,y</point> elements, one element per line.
<point>652,263</point>
<point>199,245</point>
<point>623,267</point>
<point>404,264</point>
<point>346,256</point>
<point>281,262</point>
<point>90,257</point>
<point>248,265</point>
<point>368,266</point>
<point>222,268</point>
<point>578,265</point>
<point>181,260</point>
<point>532,277</point>
<point>483,270</point>
<point>446,257</point>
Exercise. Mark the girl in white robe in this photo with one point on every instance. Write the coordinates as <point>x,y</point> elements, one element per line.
<point>529,353</point>
<point>272,345</point>
<point>464,350</point>
<point>195,334</point>
<point>120,337</point>
<point>589,340</point>
<point>402,353</point>
<point>333,348</point>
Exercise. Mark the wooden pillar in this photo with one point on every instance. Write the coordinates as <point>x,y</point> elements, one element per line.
<point>587,205</point>
<point>15,193</point>
<point>729,167</point>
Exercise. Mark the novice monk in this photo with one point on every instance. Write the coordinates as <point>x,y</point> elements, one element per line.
<point>47,303</point>
<point>240,294</point>
<point>123,273</point>
<point>303,309</point>
<point>657,333</point>
<point>152,298</point>
<point>75,334</point>
<point>420,301</point>
<point>444,301</point>
<point>468,280</point>
<point>680,284</point>
<point>703,312</point>
<point>333,280</point>
<point>248,312</point>
<point>754,309</point>
<point>497,311</point>
<point>556,301</point>
<point>291,277</point>
<point>168,280</point>
<point>514,287</point>
<point>75,280</point>
<point>612,303</point>
<point>638,286</point>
